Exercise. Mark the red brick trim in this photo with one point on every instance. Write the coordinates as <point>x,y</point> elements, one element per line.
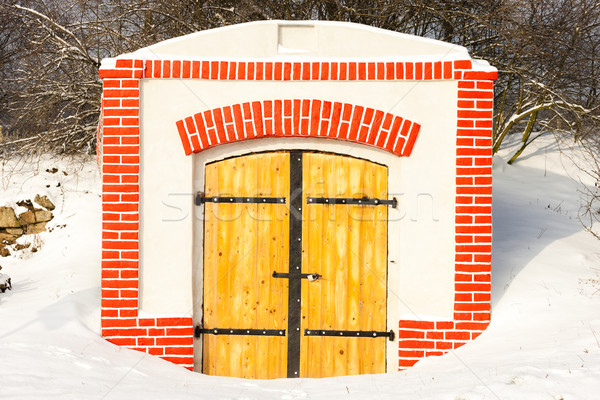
<point>172,338</point>
<point>168,338</point>
<point>311,71</point>
<point>473,231</point>
<point>304,118</point>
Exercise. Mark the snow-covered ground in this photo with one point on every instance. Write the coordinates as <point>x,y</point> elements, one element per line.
<point>543,342</point>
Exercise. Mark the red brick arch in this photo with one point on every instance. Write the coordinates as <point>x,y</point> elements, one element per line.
<point>297,118</point>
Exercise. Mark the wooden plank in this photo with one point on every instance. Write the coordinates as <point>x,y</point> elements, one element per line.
<point>219,279</point>
<point>380,261</point>
<point>263,183</point>
<point>247,269</point>
<point>210,270</point>
<point>356,244</point>
<point>367,347</point>
<point>310,359</point>
<point>308,310</point>
<point>278,295</point>
<point>340,174</point>
<point>329,256</point>
<point>222,276</point>
<point>231,249</point>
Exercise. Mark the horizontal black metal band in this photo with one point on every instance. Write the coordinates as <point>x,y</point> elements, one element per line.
<point>285,275</point>
<point>224,331</point>
<point>365,334</point>
<point>352,201</point>
<point>248,200</point>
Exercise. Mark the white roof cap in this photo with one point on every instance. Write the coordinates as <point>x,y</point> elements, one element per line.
<point>290,40</point>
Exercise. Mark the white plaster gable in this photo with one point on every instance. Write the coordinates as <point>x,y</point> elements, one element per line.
<point>302,40</point>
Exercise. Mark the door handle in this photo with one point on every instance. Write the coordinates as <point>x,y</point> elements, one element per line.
<point>285,275</point>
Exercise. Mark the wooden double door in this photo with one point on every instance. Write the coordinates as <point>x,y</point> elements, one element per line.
<point>295,266</point>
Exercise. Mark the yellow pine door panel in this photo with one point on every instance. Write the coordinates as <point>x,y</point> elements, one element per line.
<point>243,244</point>
<point>347,246</point>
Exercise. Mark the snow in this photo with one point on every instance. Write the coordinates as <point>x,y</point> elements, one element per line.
<point>482,65</point>
<point>543,342</point>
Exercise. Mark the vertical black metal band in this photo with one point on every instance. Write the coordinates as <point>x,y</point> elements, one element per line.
<point>295,266</point>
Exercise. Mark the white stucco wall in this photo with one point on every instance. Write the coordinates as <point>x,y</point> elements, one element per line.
<point>420,231</point>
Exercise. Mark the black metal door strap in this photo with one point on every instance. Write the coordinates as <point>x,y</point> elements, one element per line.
<point>365,334</point>
<point>295,266</point>
<point>224,331</point>
<point>285,275</point>
<point>239,199</point>
<point>352,201</point>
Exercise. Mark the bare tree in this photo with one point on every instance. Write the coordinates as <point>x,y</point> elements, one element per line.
<point>546,51</point>
<point>549,75</point>
<point>54,90</point>
<point>589,213</point>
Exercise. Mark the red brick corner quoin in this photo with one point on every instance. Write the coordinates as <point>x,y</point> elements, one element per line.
<point>473,231</point>
<point>300,118</point>
<point>172,338</point>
